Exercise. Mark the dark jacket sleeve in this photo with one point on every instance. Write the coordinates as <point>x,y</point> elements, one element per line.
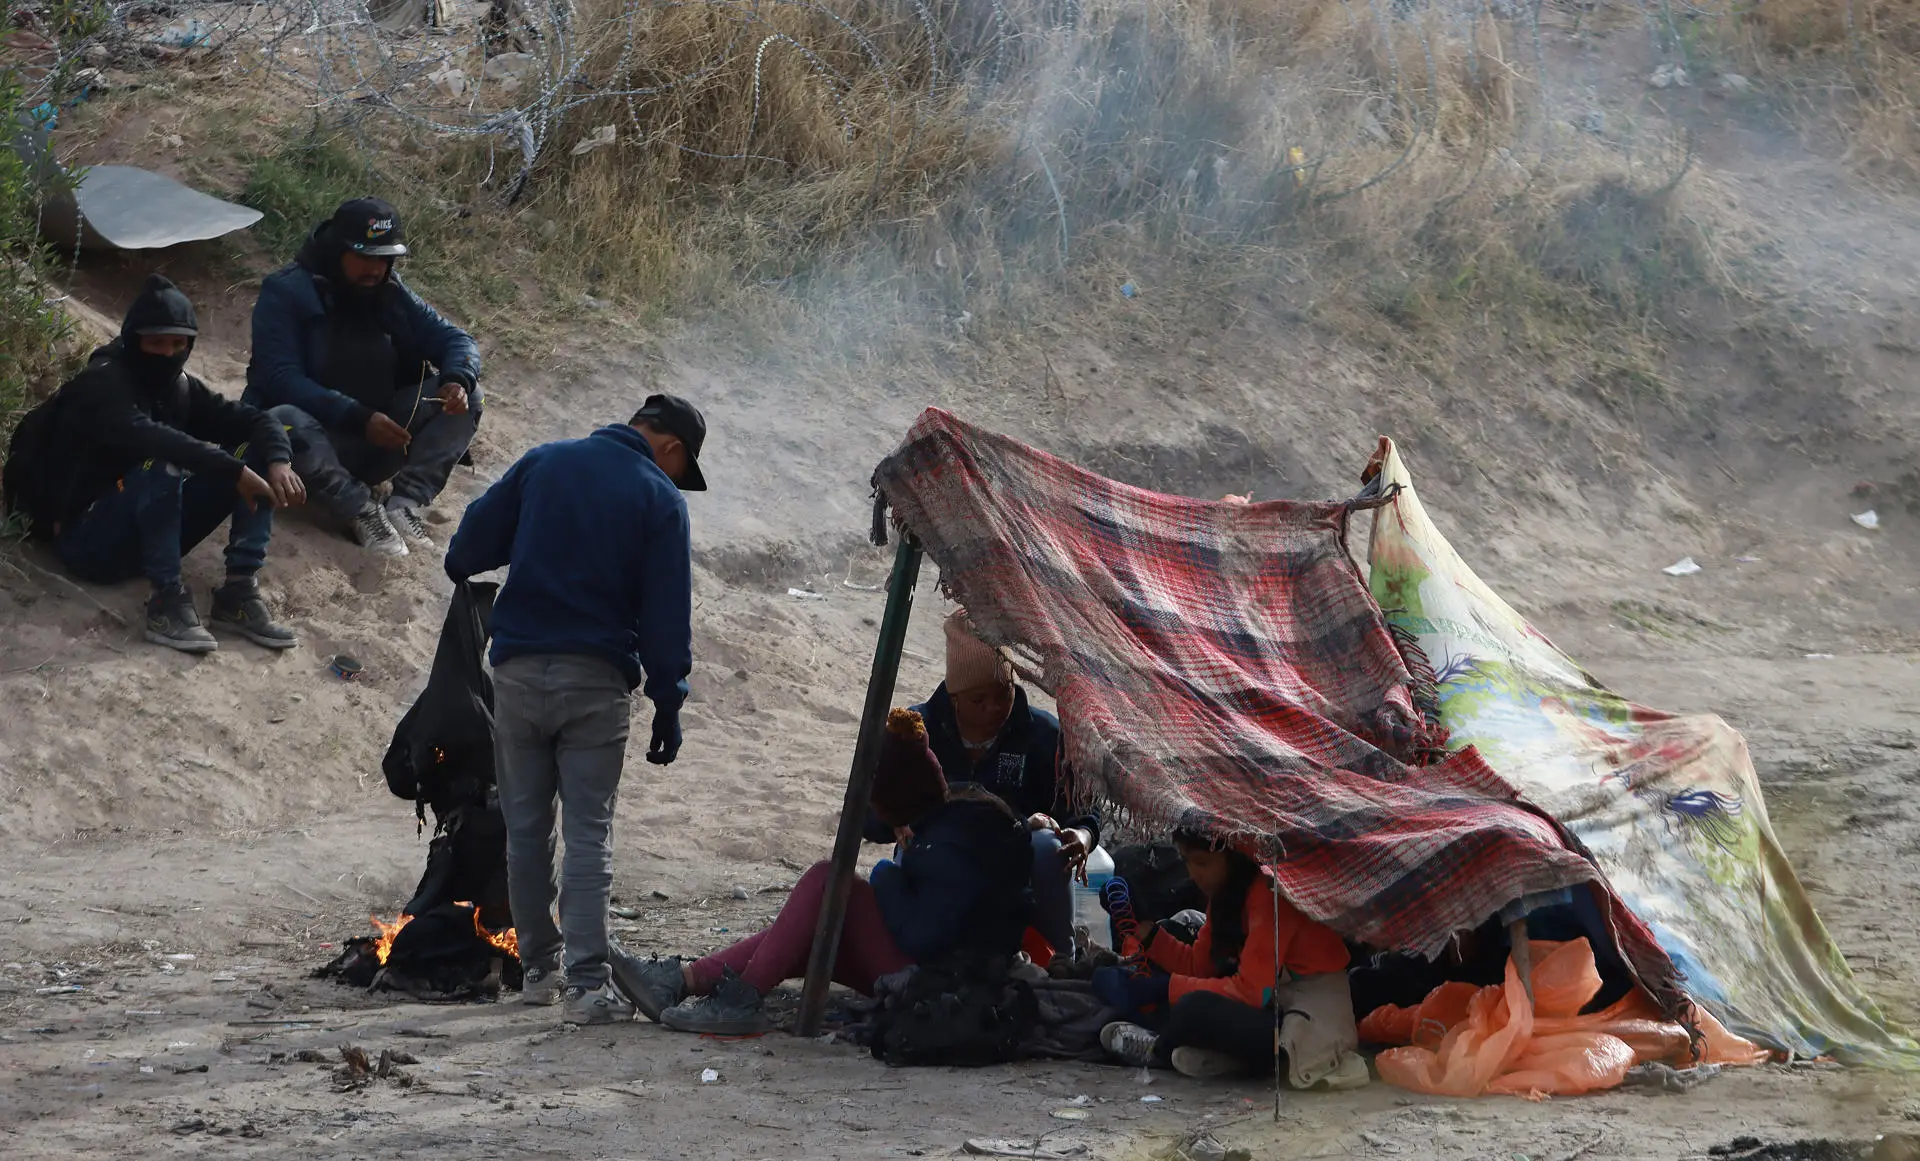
<point>1046,778</point>
<point>278,373</point>
<point>925,906</point>
<point>665,631</point>
<point>230,423</point>
<point>484,540</point>
<point>451,350</point>
<point>876,831</point>
<point>107,418</point>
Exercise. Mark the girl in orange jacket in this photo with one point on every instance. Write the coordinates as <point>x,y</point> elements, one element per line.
<point>1206,1008</point>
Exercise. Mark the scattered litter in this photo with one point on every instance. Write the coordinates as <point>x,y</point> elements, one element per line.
<point>1144,1076</point>
<point>59,990</point>
<point>223,979</point>
<point>450,81</point>
<point>804,595</point>
<point>660,895</point>
<point>1819,657</point>
<point>624,912</point>
<point>1205,1147</point>
<point>1867,519</point>
<point>1685,566</point>
<point>145,1012</point>
<point>180,957</point>
<point>343,667</point>
<point>191,34</point>
<point>1669,76</point>
<point>1082,1100</point>
<point>179,1044</point>
<point>1152,1099</point>
<point>599,138</point>
<point>1069,1114</point>
<point>1128,290</point>
<point>709,1075</point>
<point>718,930</point>
<point>741,893</point>
<point>1747,559</point>
<point>1021,1147</point>
<point>146,1068</point>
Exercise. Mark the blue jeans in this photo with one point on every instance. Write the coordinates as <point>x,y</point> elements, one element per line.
<point>153,517</point>
<point>1052,892</point>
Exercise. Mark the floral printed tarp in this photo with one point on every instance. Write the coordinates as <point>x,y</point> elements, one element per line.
<point>1668,805</point>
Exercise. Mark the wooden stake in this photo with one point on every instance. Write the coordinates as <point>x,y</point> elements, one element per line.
<point>1522,955</point>
<point>853,810</point>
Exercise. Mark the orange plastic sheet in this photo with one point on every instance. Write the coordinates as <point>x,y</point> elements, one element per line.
<point>1465,1041</point>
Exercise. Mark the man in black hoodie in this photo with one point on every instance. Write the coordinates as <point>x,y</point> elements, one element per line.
<point>143,461</point>
<point>371,383</point>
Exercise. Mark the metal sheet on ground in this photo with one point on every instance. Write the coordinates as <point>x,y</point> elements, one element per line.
<point>126,208</point>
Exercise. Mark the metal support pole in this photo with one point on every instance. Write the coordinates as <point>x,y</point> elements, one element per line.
<point>853,811</point>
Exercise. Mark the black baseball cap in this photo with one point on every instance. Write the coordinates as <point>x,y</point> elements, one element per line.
<point>678,418</point>
<point>368,226</point>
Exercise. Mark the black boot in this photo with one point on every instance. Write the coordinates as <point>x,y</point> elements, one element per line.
<point>171,621</point>
<point>237,608</point>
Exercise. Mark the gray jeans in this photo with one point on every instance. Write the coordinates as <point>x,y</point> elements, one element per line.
<point>560,735</point>
<point>339,467</point>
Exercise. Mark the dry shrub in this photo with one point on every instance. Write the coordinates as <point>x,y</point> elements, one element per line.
<point>959,155</point>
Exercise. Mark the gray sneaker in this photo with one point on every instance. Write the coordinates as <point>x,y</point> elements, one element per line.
<point>237,608</point>
<point>374,532</point>
<point>1129,1043</point>
<point>1204,1063</point>
<point>171,621</point>
<point>601,1005</point>
<point>734,1009</point>
<point>407,522</point>
<point>540,987</point>
<point>654,985</point>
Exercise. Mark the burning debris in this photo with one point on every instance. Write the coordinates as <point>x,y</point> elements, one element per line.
<point>447,952</point>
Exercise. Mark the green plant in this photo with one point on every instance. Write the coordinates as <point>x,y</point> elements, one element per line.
<point>33,331</point>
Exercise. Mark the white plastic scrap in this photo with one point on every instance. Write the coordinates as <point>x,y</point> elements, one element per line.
<point>1867,519</point>
<point>601,136</point>
<point>1685,566</point>
<point>709,1075</point>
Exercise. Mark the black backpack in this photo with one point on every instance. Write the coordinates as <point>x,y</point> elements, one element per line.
<point>962,1012</point>
<point>23,477</point>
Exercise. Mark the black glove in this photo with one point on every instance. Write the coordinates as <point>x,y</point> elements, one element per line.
<point>666,737</point>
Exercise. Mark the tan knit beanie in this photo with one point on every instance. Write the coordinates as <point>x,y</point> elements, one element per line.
<point>972,663</point>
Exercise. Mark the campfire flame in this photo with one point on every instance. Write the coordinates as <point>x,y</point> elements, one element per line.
<point>506,942</point>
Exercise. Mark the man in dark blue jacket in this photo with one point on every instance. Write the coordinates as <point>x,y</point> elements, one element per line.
<point>370,382</point>
<point>598,597</point>
<point>983,730</point>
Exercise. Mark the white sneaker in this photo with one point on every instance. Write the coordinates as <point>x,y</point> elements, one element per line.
<point>540,987</point>
<point>601,1005</point>
<point>375,533</point>
<point>407,522</point>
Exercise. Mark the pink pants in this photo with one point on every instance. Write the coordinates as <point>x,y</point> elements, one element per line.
<point>780,953</point>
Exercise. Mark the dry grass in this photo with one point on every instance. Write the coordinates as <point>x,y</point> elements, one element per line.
<point>1872,47</point>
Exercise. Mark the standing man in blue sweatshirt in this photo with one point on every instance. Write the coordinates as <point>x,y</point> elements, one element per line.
<point>599,592</point>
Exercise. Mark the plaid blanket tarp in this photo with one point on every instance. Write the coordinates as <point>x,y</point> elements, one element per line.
<point>1223,667</point>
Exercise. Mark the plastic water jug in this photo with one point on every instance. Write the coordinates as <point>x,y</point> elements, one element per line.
<point>1087,911</point>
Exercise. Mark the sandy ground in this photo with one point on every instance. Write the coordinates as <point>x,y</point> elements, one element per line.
<point>231,809</point>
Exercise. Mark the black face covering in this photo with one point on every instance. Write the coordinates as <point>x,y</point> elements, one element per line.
<point>155,371</point>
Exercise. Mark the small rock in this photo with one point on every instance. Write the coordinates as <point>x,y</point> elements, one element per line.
<point>1735,83</point>
<point>96,54</point>
<point>1669,76</point>
<point>741,893</point>
<point>510,66</point>
<point>450,82</point>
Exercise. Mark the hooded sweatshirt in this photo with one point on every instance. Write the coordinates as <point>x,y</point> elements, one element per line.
<point>339,353</point>
<point>961,884</point>
<point>128,407</point>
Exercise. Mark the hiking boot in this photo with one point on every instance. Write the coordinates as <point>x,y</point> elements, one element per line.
<point>237,608</point>
<point>1129,1043</point>
<point>406,521</point>
<point>1204,1063</point>
<point>172,622</point>
<point>654,985</point>
<point>601,1005</point>
<point>375,533</point>
<point>734,1009</point>
<point>540,987</point>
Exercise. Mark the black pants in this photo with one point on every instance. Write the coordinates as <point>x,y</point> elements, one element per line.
<point>1212,1021</point>
<point>338,466</point>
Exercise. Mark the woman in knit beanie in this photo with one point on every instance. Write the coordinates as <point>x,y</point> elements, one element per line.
<point>960,885</point>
